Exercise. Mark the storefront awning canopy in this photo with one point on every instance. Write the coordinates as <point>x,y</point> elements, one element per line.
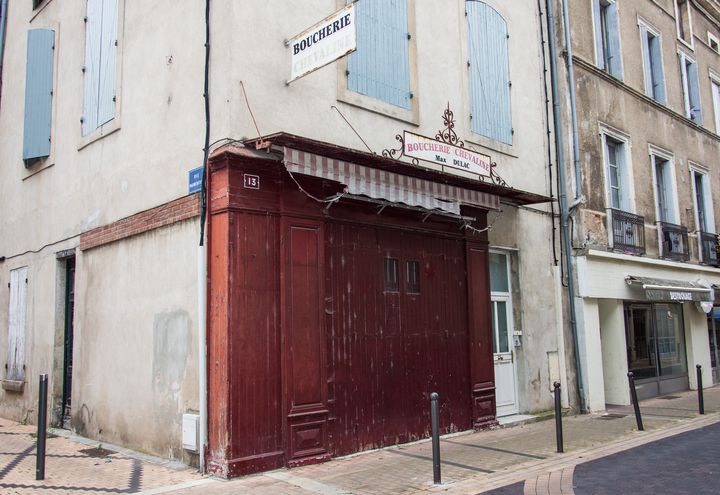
<point>661,289</point>
<point>382,184</point>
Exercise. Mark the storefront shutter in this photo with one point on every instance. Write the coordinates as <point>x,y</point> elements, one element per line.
<point>38,93</point>
<point>380,67</point>
<point>489,72</point>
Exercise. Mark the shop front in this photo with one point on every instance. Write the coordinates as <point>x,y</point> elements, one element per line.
<point>343,289</point>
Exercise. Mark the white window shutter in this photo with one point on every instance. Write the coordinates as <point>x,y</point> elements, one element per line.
<point>93,31</point>
<point>16,324</point>
<point>108,62</point>
<point>599,49</point>
<point>613,28</point>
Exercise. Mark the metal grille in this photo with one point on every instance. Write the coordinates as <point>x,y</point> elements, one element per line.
<point>709,246</point>
<point>628,232</point>
<point>674,239</point>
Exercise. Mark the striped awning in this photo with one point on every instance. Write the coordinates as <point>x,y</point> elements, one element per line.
<point>381,184</point>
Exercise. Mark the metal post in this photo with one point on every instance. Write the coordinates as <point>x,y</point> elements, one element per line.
<point>558,418</point>
<point>701,400</point>
<point>636,406</point>
<point>435,425</point>
<point>41,428</point>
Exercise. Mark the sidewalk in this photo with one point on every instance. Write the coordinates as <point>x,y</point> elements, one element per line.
<point>471,463</point>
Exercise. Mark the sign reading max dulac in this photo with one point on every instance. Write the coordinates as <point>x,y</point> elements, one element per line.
<point>322,43</point>
<point>447,155</point>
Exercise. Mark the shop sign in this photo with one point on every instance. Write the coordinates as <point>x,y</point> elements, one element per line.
<point>447,155</point>
<point>323,43</point>
<point>669,295</point>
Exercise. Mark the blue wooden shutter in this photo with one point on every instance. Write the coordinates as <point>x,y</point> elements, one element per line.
<point>93,32</point>
<point>380,67</point>
<point>599,47</point>
<point>658,77</point>
<point>489,72</point>
<point>613,33</point>
<point>694,92</point>
<point>647,61</point>
<point>38,93</point>
<point>108,62</point>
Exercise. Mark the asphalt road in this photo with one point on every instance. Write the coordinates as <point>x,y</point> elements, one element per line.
<point>687,464</point>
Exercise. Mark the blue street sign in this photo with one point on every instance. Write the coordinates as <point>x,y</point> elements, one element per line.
<point>195,180</point>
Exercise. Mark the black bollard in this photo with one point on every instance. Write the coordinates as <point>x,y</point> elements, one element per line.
<point>41,428</point>
<point>701,400</point>
<point>435,425</point>
<point>558,417</point>
<point>636,406</point>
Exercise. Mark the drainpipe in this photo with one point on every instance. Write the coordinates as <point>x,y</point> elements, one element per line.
<point>3,24</point>
<point>562,198</point>
<point>573,107</point>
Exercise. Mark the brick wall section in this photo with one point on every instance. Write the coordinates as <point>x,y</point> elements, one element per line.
<point>160,216</point>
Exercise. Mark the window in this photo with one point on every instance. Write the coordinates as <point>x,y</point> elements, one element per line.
<point>682,18</point>
<point>16,325</point>
<point>652,63</point>
<point>664,190</point>
<point>501,306</point>
<point>412,277</point>
<point>38,93</point>
<point>691,88</point>
<point>713,42</point>
<point>705,221</point>
<point>607,37</point>
<point>616,170</point>
<point>716,102</point>
<point>380,67</point>
<point>392,278</point>
<point>489,73</point>
<point>101,27</point>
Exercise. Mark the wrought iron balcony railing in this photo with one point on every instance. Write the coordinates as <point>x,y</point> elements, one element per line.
<point>673,242</point>
<point>709,248</point>
<point>628,232</point>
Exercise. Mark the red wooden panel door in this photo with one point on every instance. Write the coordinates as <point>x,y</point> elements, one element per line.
<point>391,344</point>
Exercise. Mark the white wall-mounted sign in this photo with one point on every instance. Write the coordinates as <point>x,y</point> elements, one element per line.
<point>447,155</point>
<point>323,43</point>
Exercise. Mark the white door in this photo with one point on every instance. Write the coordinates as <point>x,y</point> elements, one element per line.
<point>504,357</point>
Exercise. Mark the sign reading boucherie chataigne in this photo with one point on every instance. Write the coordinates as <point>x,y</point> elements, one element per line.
<point>447,155</point>
<point>323,43</point>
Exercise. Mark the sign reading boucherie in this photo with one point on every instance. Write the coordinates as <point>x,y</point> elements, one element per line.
<point>322,43</point>
<point>447,155</point>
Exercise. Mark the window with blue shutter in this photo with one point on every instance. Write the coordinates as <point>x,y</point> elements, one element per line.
<point>489,72</point>
<point>607,37</point>
<point>38,93</point>
<point>652,64</point>
<point>380,67</point>
<point>100,63</point>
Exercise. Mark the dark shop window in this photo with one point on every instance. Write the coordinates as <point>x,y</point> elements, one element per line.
<point>392,282</point>
<point>412,277</point>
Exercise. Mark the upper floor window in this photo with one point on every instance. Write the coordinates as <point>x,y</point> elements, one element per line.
<point>715,84</point>
<point>617,173</point>
<point>652,63</point>
<point>380,67</point>
<point>713,42</point>
<point>665,199</point>
<point>38,94</point>
<point>490,108</point>
<point>705,220</point>
<point>607,37</point>
<point>690,88</point>
<point>682,18</point>
<point>101,27</point>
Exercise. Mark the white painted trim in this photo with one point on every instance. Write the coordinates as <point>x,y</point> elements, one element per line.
<point>690,45</point>
<point>624,138</point>
<point>712,38</point>
<point>655,32</point>
<point>592,253</point>
<point>656,153</point>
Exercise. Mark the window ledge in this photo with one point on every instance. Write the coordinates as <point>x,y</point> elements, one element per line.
<point>491,144</point>
<point>13,385</point>
<point>379,107</point>
<point>99,133</point>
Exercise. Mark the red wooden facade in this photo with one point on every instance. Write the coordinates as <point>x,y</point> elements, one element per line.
<point>310,353</point>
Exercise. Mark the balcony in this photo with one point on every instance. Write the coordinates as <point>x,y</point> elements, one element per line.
<point>627,232</point>
<point>709,248</point>
<point>673,242</point>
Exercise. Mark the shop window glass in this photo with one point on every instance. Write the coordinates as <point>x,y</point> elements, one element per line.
<point>499,273</point>
<point>670,339</point>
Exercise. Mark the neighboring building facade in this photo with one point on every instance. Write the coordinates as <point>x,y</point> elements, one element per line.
<point>645,237</point>
<point>344,283</point>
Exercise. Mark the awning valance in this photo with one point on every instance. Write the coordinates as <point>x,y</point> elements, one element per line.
<point>660,289</point>
<point>382,184</point>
